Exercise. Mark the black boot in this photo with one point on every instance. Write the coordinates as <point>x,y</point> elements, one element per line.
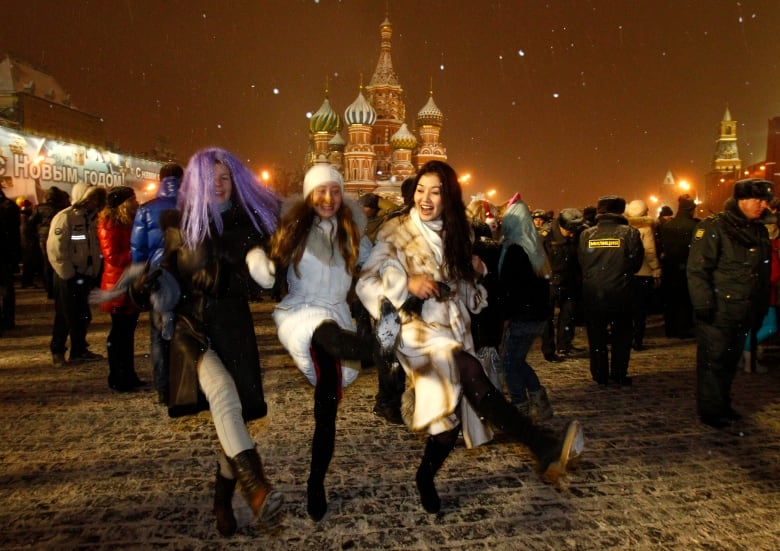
<point>264,501</point>
<point>553,455</point>
<point>437,449</point>
<point>325,408</point>
<point>223,504</point>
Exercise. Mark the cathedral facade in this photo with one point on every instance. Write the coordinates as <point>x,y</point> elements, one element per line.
<point>380,150</point>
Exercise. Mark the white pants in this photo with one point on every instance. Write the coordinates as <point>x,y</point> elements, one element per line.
<point>225,406</point>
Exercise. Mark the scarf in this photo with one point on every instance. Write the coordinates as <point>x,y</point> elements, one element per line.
<point>431,232</point>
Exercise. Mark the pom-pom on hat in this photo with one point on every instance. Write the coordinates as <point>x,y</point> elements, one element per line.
<point>610,204</point>
<point>118,195</point>
<point>754,188</point>
<point>321,174</point>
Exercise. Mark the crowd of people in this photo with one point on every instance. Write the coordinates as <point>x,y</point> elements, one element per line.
<point>445,300</point>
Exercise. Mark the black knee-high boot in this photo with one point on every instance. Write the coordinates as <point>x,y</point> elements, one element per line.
<point>552,454</point>
<point>437,449</point>
<point>325,408</point>
<point>491,404</point>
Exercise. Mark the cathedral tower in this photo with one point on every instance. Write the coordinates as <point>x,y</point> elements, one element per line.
<point>384,94</point>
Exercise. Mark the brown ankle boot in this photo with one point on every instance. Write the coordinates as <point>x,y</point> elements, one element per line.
<point>223,504</point>
<point>264,501</point>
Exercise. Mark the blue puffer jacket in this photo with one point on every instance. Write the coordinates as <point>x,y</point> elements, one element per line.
<point>146,240</point>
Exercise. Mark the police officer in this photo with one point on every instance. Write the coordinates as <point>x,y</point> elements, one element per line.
<point>728,279</point>
<point>610,253</point>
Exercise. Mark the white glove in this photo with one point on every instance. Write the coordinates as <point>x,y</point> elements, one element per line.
<point>261,268</point>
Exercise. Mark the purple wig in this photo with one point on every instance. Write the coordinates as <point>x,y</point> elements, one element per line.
<point>198,203</point>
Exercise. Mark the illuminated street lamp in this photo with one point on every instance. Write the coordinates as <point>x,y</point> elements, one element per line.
<point>684,185</point>
<point>465,179</point>
<point>491,192</point>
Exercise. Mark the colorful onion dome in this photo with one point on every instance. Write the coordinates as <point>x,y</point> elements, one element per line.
<point>325,119</point>
<point>360,111</point>
<point>430,114</point>
<point>403,139</point>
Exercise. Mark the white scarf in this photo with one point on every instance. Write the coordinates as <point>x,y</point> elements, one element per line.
<point>431,232</point>
<point>320,241</point>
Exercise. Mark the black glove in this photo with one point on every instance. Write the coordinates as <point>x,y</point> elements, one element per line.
<point>704,315</point>
<point>412,305</point>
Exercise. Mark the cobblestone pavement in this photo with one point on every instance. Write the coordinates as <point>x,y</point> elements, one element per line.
<point>86,468</point>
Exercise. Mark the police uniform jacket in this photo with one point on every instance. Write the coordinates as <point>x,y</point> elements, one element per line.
<point>729,268</point>
<point>610,253</point>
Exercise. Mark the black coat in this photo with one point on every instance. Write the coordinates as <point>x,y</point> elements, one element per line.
<point>214,312</point>
<point>676,235</point>
<point>610,254</point>
<point>524,295</point>
<point>561,251</point>
<point>729,268</point>
<point>487,326</point>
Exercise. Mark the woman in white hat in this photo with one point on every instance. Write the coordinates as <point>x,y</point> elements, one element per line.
<point>318,241</point>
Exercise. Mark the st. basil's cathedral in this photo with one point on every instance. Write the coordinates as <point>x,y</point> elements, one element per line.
<point>380,151</point>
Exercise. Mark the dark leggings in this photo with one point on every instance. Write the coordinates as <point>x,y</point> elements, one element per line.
<point>329,344</point>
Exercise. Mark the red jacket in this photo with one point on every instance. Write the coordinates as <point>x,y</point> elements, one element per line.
<point>115,247</point>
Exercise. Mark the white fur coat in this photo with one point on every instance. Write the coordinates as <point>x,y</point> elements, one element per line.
<point>428,341</point>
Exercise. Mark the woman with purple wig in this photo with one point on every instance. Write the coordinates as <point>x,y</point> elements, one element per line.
<point>213,249</point>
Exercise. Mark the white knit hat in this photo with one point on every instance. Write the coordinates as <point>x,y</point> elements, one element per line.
<point>321,174</point>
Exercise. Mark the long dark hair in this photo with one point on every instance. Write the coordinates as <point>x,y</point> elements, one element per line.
<point>456,230</point>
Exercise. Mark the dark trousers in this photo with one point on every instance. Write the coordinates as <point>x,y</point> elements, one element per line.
<point>718,350</point>
<point>47,271</point>
<point>121,348</point>
<point>678,311</point>
<point>7,297</point>
<point>31,263</point>
<point>642,293</point>
<point>558,333</point>
<point>71,314</point>
<point>160,354</point>
<point>608,329</point>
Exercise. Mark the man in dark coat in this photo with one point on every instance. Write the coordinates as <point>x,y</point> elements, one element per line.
<point>728,279</point>
<point>10,255</point>
<point>610,253</point>
<point>560,245</point>
<point>54,200</point>
<point>676,235</point>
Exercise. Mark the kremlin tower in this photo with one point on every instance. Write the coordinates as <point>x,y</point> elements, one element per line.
<point>380,150</point>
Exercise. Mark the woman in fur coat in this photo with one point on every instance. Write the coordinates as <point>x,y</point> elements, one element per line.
<point>318,242</point>
<point>210,254</point>
<point>422,262</point>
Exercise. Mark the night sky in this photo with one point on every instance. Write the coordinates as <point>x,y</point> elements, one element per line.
<point>562,101</point>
